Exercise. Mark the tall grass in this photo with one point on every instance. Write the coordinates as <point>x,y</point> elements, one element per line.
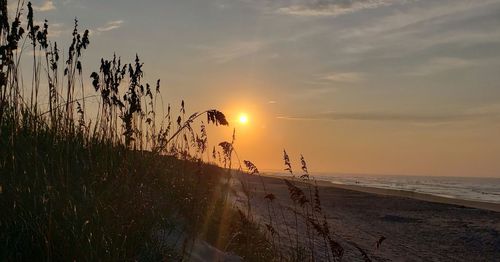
<point>297,227</point>
<point>79,187</point>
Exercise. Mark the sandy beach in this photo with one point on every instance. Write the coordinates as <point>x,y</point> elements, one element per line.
<point>417,227</point>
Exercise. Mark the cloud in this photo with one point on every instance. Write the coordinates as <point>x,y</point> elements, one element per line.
<point>232,51</point>
<point>46,6</point>
<point>396,117</point>
<point>73,3</point>
<point>333,7</point>
<point>55,29</point>
<point>487,109</point>
<point>111,25</point>
<point>421,27</point>
<point>441,64</point>
<point>347,77</point>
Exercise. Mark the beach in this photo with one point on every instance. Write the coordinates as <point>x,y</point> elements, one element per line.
<point>416,227</point>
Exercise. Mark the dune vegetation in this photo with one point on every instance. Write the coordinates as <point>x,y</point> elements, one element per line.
<point>125,180</point>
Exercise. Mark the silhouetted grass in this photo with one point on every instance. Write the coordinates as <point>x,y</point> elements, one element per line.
<point>299,230</point>
<point>121,184</point>
<point>81,187</point>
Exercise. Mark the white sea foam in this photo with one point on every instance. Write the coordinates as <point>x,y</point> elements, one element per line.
<point>467,188</point>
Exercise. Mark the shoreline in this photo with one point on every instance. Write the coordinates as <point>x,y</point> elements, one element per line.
<point>412,223</point>
<point>407,194</point>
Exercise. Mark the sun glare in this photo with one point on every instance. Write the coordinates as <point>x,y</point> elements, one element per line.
<point>243,119</point>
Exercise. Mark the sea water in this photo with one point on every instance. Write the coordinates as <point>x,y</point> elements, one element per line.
<point>467,188</point>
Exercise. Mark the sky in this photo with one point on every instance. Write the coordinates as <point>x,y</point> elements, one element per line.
<point>406,87</point>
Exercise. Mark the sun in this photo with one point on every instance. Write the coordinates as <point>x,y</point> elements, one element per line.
<point>243,119</point>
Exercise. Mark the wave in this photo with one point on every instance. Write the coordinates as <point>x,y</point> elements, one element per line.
<point>466,188</point>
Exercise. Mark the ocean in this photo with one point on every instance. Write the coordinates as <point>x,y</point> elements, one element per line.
<point>467,188</point>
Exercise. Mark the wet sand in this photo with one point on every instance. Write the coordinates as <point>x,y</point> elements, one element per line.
<point>417,227</point>
<point>414,195</point>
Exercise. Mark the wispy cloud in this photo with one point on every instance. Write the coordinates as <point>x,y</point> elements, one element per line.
<point>420,27</point>
<point>73,3</point>
<point>111,25</point>
<point>486,109</point>
<point>333,7</point>
<point>228,52</point>
<point>46,6</point>
<point>396,117</point>
<point>57,29</point>
<point>345,77</point>
<point>441,64</point>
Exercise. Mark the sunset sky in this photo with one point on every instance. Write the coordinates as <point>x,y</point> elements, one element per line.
<point>406,87</point>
